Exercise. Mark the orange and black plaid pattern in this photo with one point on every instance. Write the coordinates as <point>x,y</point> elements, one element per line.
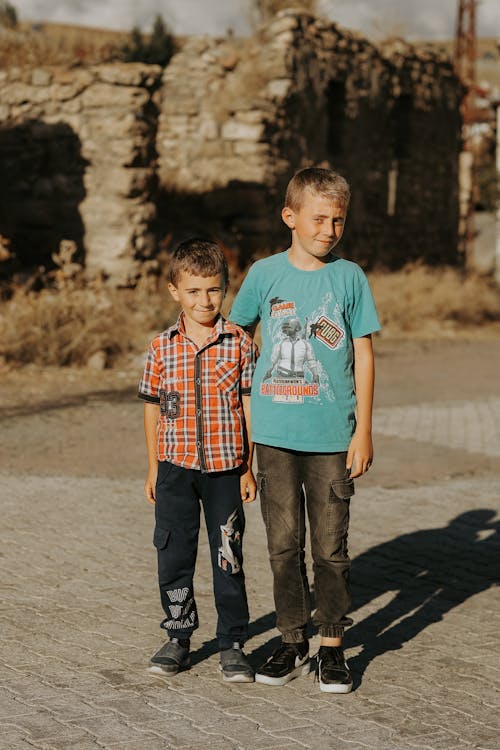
<point>201,424</point>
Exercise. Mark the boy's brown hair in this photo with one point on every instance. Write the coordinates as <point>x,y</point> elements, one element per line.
<point>324,182</point>
<point>197,257</point>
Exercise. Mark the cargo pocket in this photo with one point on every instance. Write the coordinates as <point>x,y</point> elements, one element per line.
<point>341,490</point>
<point>160,537</point>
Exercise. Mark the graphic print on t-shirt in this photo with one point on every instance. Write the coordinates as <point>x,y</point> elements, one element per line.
<point>295,373</point>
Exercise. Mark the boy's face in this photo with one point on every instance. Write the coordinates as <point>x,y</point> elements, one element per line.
<point>317,225</point>
<point>201,297</point>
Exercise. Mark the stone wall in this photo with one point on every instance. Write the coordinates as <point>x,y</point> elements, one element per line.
<point>116,157</point>
<point>77,161</point>
<point>238,118</point>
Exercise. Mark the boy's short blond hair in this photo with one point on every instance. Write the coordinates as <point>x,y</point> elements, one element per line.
<point>198,257</point>
<point>320,181</point>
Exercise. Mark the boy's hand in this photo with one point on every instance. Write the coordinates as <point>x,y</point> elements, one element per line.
<point>150,485</point>
<point>248,485</point>
<point>360,454</point>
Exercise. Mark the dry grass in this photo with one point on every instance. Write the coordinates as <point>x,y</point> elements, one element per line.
<point>69,319</point>
<point>58,44</point>
<point>432,302</point>
<point>66,327</point>
<point>67,322</point>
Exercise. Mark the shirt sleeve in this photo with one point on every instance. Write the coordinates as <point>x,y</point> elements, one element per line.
<point>249,354</point>
<point>363,313</point>
<point>246,307</point>
<point>149,386</point>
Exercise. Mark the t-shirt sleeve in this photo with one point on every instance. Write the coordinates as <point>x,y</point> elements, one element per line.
<point>246,307</point>
<point>149,386</point>
<point>363,313</point>
<point>249,354</point>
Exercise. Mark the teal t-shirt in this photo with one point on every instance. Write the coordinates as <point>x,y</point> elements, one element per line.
<point>303,394</point>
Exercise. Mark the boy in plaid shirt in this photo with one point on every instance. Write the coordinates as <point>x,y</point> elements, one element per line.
<point>196,389</point>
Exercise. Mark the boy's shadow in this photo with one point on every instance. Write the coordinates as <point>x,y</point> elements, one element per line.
<point>433,571</point>
<point>256,657</point>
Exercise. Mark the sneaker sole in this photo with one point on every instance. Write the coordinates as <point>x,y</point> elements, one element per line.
<point>334,688</point>
<point>168,671</point>
<point>241,677</point>
<point>301,671</point>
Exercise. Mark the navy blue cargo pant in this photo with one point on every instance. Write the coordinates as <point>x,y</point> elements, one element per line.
<point>177,511</point>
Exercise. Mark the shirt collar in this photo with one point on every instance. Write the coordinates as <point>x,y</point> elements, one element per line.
<point>221,326</point>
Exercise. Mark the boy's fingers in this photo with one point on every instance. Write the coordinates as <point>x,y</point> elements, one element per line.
<point>354,467</point>
<point>149,492</point>
<point>363,465</point>
<point>248,492</point>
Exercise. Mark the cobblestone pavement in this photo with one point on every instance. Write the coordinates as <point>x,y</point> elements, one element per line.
<point>80,611</point>
<point>468,425</point>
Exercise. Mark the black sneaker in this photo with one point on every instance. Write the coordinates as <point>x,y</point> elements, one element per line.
<point>333,672</point>
<point>171,658</point>
<point>234,665</point>
<point>290,660</point>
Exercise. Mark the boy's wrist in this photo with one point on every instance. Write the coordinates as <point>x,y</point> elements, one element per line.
<point>360,430</point>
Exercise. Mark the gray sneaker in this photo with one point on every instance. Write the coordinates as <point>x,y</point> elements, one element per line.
<point>170,658</point>
<point>234,665</point>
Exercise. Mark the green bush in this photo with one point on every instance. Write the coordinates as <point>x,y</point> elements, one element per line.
<point>8,15</point>
<point>155,50</point>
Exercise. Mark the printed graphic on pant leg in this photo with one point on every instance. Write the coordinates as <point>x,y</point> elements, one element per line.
<point>182,610</point>
<point>230,549</point>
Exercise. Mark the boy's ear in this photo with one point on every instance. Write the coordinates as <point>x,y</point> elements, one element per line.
<point>173,291</point>
<point>288,217</point>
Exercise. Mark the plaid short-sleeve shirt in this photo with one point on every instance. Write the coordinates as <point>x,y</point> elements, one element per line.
<point>201,424</point>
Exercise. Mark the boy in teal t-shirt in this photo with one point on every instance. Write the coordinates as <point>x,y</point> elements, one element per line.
<point>312,396</point>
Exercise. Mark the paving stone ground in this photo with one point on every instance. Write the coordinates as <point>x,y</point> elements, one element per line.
<point>79,608</point>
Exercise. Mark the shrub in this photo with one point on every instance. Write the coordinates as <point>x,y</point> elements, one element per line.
<point>8,15</point>
<point>156,50</point>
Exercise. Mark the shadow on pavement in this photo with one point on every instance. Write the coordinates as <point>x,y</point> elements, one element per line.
<point>261,625</point>
<point>432,571</point>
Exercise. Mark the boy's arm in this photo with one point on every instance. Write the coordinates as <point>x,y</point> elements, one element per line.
<point>360,453</point>
<point>151,415</point>
<point>248,485</point>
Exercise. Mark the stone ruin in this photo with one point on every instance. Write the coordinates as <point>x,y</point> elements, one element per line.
<point>117,156</point>
<point>78,162</point>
